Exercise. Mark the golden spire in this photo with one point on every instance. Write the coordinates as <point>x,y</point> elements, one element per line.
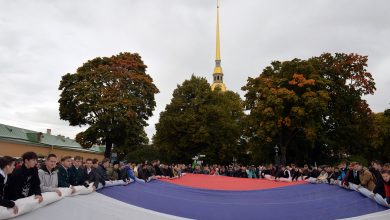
<point>218,73</point>
<point>218,68</point>
<point>218,52</point>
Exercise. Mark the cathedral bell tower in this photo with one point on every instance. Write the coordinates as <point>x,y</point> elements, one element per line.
<point>218,73</point>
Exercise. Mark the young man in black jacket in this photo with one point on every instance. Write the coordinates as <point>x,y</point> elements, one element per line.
<point>376,171</point>
<point>242,173</point>
<point>156,166</point>
<point>63,172</point>
<point>76,171</point>
<point>351,176</point>
<point>7,165</point>
<point>24,181</point>
<point>101,170</point>
<point>90,175</point>
<point>143,172</point>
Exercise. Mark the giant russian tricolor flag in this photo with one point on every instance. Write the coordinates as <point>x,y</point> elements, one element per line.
<point>214,197</point>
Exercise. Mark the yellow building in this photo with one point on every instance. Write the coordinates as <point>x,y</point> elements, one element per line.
<point>16,141</point>
<point>218,73</point>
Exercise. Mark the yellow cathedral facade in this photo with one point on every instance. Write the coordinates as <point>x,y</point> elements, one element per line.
<point>218,73</point>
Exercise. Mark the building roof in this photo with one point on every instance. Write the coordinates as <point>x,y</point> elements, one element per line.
<point>12,133</point>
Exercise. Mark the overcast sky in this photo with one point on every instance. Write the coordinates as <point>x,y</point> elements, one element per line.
<point>41,40</point>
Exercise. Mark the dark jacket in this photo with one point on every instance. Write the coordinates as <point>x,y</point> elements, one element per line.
<point>4,202</point>
<point>286,173</point>
<point>265,172</point>
<point>91,177</point>
<point>379,187</point>
<point>63,177</point>
<point>158,170</point>
<point>124,175</point>
<point>242,174</point>
<point>279,174</point>
<point>23,182</point>
<point>314,173</point>
<point>76,176</point>
<point>151,170</point>
<point>102,172</point>
<point>143,173</point>
<point>353,177</point>
<point>296,175</point>
<point>292,172</point>
<point>168,172</point>
<point>237,173</point>
<point>306,172</point>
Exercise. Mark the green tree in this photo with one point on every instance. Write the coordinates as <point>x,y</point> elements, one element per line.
<point>113,95</point>
<point>380,135</point>
<point>346,127</point>
<point>287,99</point>
<point>142,153</point>
<point>311,107</point>
<point>199,120</point>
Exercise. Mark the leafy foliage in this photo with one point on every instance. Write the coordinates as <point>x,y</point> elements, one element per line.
<point>199,120</point>
<point>313,109</point>
<point>113,95</point>
<point>348,122</point>
<point>287,98</point>
<point>142,153</point>
<point>380,135</point>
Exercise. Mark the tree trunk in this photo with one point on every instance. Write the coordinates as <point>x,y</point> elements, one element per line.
<point>107,152</point>
<point>283,151</point>
<point>283,145</point>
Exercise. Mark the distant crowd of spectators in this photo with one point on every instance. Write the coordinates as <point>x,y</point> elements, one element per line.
<point>375,178</point>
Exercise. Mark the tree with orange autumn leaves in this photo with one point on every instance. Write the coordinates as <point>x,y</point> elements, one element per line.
<point>113,96</point>
<point>347,127</point>
<point>316,102</point>
<point>286,99</point>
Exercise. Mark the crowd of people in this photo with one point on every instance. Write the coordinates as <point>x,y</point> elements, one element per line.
<point>376,178</point>
<point>28,177</point>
